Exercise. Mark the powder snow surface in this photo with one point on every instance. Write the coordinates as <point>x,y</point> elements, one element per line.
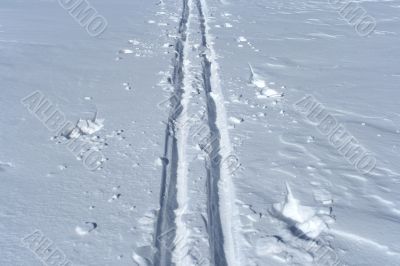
<point>218,122</point>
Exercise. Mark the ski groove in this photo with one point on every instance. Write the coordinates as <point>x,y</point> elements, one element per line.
<point>219,203</point>
<point>215,233</point>
<point>220,239</point>
<point>220,234</point>
<point>166,221</point>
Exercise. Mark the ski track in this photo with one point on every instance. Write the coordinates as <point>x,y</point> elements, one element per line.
<point>166,227</point>
<point>171,237</point>
<point>223,216</point>
<point>215,233</point>
<point>181,238</point>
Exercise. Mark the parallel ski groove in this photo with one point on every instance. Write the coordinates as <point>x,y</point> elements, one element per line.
<point>220,190</point>
<point>216,237</point>
<point>165,226</point>
<point>221,194</point>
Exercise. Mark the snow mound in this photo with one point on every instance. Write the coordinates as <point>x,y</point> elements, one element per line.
<point>85,127</point>
<point>262,88</point>
<point>305,219</point>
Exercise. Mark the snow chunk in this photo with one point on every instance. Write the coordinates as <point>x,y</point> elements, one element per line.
<point>159,161</point>
<point>236,120</point>
<point>292,209</point>
<point>126,51</point>
<point>241,39</point>
<point>256,80</point>
<point>85,127</point>
<point>305,218</point>
<point>134,42</point>
<point>313,227</point>
<point>259,83</point>
<point>88,127</point>
<point>86,228</point>
<point>271,93</point>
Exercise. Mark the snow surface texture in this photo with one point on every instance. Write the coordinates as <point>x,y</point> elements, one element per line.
<point>208,159</point>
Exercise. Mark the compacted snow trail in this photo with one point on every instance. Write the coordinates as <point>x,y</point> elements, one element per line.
<point>194,63</point>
